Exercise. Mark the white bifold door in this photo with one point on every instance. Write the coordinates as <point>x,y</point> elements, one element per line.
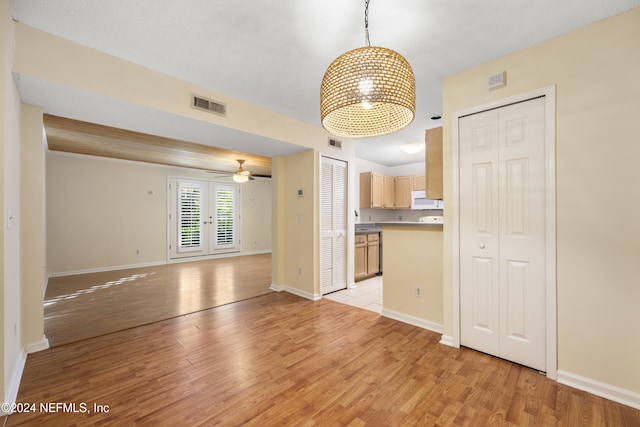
<point>502,232</point>
<point>204,218</point>
<point>333,225</point>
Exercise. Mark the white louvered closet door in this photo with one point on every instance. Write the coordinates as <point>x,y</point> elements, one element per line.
<point>333,225</point>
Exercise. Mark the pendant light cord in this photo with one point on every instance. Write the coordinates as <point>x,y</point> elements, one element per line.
<point>366,23</point>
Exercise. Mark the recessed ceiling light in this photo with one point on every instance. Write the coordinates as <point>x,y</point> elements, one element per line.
<point>412,148</point>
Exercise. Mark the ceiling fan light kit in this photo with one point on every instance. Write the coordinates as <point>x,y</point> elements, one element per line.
<point>368,91</point>
<point>241,175</point>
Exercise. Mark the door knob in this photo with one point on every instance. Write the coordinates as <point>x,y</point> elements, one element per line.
<point>481,245</point>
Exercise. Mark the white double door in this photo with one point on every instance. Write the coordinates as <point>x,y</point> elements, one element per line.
<point>502,232</point>
<point>204,218</point>
<point>333,225</point>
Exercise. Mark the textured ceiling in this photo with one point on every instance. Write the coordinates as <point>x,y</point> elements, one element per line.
<point>274,53</point>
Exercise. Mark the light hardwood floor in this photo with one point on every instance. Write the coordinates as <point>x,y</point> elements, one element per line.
<point>281,360</point>
<point>89,305</point>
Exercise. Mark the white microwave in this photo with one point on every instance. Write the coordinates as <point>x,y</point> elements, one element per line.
<point>419,201</point>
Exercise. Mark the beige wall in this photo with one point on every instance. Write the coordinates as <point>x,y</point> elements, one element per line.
<point>100,212</point>
<point>413,257</point>
<point>33,256</point>
<point>301,223</point>
<point>44,56</point>
<point>595,70</point>
<point>12,345</point>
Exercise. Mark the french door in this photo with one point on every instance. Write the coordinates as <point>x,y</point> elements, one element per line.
<point>204,218</point>
<point>333,225</point>
<point>502,232</point>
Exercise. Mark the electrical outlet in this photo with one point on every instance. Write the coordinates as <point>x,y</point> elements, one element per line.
<point>299,270</point>
<point>419,291</point>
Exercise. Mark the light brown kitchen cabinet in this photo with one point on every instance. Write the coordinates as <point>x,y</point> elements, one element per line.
<point>419,182</point>
<point>371,189</point>
<point>367,256</point>
<point>360,257</point>
<point>404,186</point>
<point>433,162</point>
<point>389,192</point>
<point>373,254</point>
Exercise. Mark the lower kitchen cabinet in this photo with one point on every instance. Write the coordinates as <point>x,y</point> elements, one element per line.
<point>361,257</point>
<point>367,255</point>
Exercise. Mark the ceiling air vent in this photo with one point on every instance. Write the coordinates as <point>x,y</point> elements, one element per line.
<point>335,143</point>
<point>202,103</point>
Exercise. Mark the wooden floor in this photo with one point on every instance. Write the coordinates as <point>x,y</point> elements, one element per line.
<point>281,360</point>
<point>89,305</point>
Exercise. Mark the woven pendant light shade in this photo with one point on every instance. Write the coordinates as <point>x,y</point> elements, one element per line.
<point>366,92</point>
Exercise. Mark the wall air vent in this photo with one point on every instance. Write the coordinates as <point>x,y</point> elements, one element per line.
<point>202,103</point>
<point>498,80</point>
<point>335,143</point>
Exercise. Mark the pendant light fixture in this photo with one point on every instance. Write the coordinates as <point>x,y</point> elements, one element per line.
<point>366,92</point>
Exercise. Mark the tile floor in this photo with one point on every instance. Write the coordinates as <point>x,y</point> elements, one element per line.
<point>367,294</point>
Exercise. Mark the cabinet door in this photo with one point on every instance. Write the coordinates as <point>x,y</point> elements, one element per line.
<point>361,261</point>
<point>404,184</point>
<point>377,190</point>
<point>433,139</point>
<point>389,192</point>
<point>419,182</point>
<point>373,258</point>
<point>365,190</point>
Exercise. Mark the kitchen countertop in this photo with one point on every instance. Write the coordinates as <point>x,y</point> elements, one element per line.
<point>376,227</point>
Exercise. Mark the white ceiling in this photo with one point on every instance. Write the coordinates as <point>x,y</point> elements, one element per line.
<point>273,53</point>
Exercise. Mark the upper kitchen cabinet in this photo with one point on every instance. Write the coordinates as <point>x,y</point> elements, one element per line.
<point>371,189</point>
<point>433,163</point>
<point>404,186</point>
<point>419,182</point>
<point>389,192</point>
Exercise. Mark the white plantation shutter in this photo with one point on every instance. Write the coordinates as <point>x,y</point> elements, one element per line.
<point>333,225</point>
<point>190,233</point>
<point>206,220</point>
<point>225,216</point>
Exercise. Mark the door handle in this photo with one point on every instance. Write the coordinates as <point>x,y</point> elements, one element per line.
<point>481,245</point>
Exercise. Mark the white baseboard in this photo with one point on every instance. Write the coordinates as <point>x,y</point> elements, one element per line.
<point>276,288</point>
<point>415,321</point>
<point>447,340</point>
<point>155,263</point>
<point>266,251</point>
<point>11,392</point>
<point>103,269</point>
<point>303,294</point>
<point>38,346</point>
<point>616,394</point>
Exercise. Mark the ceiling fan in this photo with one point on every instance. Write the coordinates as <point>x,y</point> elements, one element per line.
<point>242,175</point>
<point>239,175</point>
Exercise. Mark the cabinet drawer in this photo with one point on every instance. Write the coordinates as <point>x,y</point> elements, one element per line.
<point>373,237</point>
<point>361,239</point>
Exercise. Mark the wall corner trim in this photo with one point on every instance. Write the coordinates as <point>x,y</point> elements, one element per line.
<point>37,346</point>
<point>617,394</point>
<point>447,340</point>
